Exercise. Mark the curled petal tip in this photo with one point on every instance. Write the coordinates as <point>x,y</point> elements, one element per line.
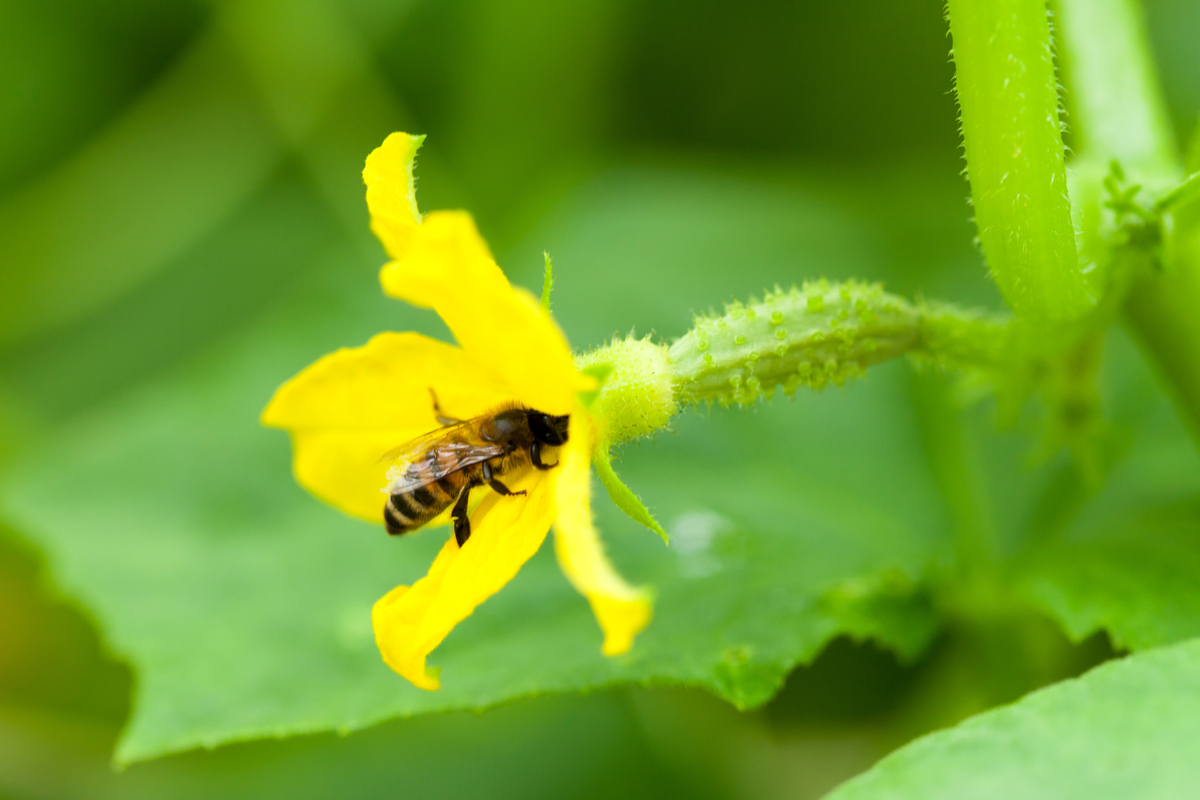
<point>391,191</point>
<point>423,678</point>
<point>621,621</point>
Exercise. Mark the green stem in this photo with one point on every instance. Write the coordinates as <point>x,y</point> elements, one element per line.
<point>1162,311</point>
<point>1008,99</point>
<point>953,457</point>
<point>1117,108</point>
<point>1120,113</point>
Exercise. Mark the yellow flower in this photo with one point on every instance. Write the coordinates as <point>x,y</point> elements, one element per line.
<point>350,407</point>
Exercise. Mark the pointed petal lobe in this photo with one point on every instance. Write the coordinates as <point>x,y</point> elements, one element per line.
<point>622,610</point>
<point>505,533</point>
<point>352,406</point>
<point>447,267</point>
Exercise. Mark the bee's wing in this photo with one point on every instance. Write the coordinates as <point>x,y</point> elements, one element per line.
<point>443,451</point>
<point>453,437</point>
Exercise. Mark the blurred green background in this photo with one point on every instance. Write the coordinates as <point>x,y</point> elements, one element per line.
<point>170,171</point>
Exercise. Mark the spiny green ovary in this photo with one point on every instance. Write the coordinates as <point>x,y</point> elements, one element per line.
<point>637,397</point>
<point>824,333</point>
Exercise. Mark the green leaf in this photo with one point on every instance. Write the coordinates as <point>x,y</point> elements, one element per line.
<point>1128,563</point>
<point>1128,728</point>
<point>585,748</point>
<point>1008,99</point>
<point>63,703</point>
<point>244,604</point>
<point>1135,579</point>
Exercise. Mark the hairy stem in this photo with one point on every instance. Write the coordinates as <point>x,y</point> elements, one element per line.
<point>1008,100</point>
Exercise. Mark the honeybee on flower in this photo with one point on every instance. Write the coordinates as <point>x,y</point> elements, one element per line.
<point>514,382</point>
<point>442,467</point>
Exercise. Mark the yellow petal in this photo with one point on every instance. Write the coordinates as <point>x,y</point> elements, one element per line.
<point>447,267</point>
<point>622,610</point>
<point>391,192</point>
<point>505,533</point>
<point>352,406</point>
<point>397,616</point>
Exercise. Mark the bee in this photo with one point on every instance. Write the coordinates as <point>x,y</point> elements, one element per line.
<point>443,466</point>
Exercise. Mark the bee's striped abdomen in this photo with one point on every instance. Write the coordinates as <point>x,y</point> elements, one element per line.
<point>403,513</point>
<point>407,511</point>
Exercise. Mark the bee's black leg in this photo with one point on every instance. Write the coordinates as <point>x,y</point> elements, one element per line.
<point>437,411</point>
<point>535,455</point>
<point>498,487</point>
<point>501,489</point>
<point>462,522</point>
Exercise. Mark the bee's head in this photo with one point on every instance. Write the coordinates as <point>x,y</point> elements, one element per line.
<point>549,429</point>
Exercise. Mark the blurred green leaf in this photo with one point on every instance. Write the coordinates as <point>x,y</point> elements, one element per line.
<point>244,604</point>
<point>262,78</point>
<point>1126,729</point>
<point>584,748</point>
<point>1128,563</point>
<point>189,152</point>
<point>1135,579</point>
<point>63,703</point>
<point>51,657</point>
<point>71,66</point>
<point>310,65</point>
<point>236,270</point>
